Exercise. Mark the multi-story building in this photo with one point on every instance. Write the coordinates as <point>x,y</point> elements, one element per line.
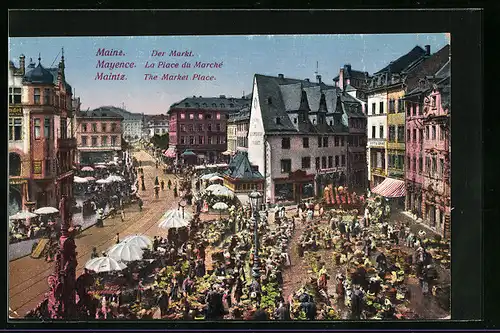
<point>41,142</point>
<point>99,136</point>
<point>298,135</point>
<point>417,86</point>
<point>436,191</point>
<point>386,149</point>
<point>131,123</point>
<point>199,124</point>
<point>354,82</point>
<point>237,130</point>
<point>231,135</point>
<point>155,124</point>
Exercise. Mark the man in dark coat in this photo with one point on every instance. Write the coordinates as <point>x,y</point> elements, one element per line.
<point>342,228</point>
<point>215,306</point>
<point>356,303</point>
<point>283,311</point>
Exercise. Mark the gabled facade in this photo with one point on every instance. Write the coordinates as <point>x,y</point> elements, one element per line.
<point>131,123</point>
<point>418,84</point>
<point>298,136</point>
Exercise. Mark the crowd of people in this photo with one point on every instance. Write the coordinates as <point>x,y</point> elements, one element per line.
<point>233,267</point>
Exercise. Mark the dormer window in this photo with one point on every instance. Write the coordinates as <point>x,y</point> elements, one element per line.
<point>204,105</point>
<point>197,105</point>
<point>269,100</point>
<point>314,121</point>
<point>186,105</point>
<point>295,120</point>
<point>214,105</point>
<point>222,105</point>
<point>231,105</point>
<point>278,121</point>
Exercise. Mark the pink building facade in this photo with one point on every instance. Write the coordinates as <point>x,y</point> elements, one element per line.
<point>428,151</point>
<point>436,198</point>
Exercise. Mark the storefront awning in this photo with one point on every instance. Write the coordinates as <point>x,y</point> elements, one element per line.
<point>170,152</point>
<point>390,188</point>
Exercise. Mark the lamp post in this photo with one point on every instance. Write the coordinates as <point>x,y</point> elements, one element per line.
<point>182,204</point>
<point>255,202</point>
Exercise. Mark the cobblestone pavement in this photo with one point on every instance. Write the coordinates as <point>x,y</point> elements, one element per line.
<point>28,277</point>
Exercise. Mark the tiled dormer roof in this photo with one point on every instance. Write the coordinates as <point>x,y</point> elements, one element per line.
<point>281,98</point>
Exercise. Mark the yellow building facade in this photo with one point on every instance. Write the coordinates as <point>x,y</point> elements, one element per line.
<point>396,133</point>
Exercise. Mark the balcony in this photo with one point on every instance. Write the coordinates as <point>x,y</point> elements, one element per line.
<point>379,172</point>
<point>66,143</point>
<point>396,145</point>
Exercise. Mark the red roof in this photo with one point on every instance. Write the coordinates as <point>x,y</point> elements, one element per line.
<point>390,188</point>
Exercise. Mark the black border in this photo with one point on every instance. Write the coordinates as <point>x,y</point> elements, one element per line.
<point>465,28</point>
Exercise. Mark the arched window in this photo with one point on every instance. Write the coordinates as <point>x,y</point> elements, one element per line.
<point>222,105</point>
<point>14,164</point>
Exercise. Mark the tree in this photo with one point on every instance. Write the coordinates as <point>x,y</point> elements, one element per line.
<point>160,141</point>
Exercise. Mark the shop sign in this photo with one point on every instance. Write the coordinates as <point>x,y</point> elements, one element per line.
<point>15,111</point>
<point>37,167</point>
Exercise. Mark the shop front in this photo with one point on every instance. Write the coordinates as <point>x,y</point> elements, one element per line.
<point>296,187</point>
<point>332,176</point>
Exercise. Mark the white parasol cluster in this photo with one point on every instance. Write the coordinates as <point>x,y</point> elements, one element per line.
<point>125,252</point>
<point>104,264</point>
<point>80,180</point>
<point>46,210</point>
<point>174,219</point>
<point>140,241</point>
<point>23,215</point>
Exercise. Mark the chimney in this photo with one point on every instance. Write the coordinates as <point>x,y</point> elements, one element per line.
<point>318,78</point>
<point>281,76</point>
<point>348,68</point>
<point>341,79</point>
<point>307,80</point>
<point>427,50</point>
<point>22,64</point>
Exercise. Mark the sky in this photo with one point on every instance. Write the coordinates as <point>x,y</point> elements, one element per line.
<point>295,56</point>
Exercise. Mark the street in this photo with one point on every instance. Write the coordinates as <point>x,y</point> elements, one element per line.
<point>28,277</point>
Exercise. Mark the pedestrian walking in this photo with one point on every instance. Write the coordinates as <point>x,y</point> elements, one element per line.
<point>117,238</point>
<point>162,183</point>
<point>169,184</point>
<point>122,214</point>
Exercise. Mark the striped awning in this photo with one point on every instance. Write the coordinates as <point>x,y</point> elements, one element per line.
<point>170,152</point>
<point>390,188</point>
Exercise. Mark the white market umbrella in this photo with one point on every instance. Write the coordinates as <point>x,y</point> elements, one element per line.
<point>211,166</point>
<point>141,241</point>
<point>90,179</point>
<point>222,165</point>
<point>112,163</point>
<point>208,176</point>
<point>174,219</point>
<point>87,168</point>
<point>199,167</point>
<point>46,210</point>
<point>100,166</point>
<point>23,215</point>
<point>102,181</point>
<point>104,264</point>
<point>215,178</point>
<point>223,192</point>
<point>220,206</point>
<point>125,252</point>
<point>114,178</point>
<point>80,180</point>
<point>215,187</point>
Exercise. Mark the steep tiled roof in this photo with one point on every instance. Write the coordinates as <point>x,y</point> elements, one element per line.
<point>404,61</point>
<point>278,96</point>
<point>428,67</point>
<point>39,74</point>
<point>240,168</point>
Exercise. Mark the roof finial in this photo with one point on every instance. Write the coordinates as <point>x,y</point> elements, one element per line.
<point>39,58</point>
<point>62,51</point>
